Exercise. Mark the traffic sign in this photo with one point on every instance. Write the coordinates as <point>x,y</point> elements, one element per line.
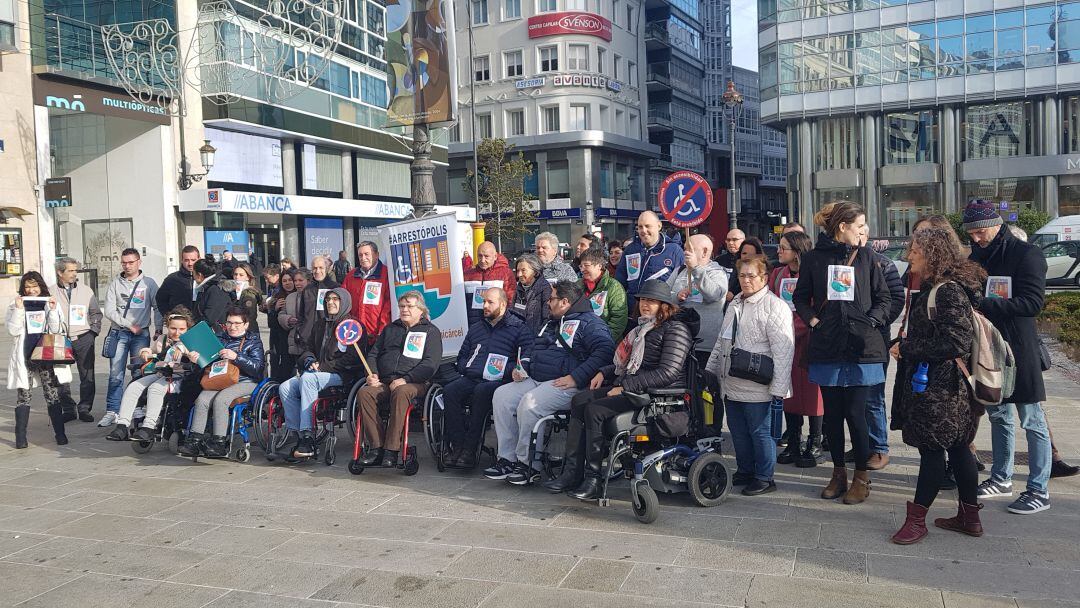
<point>685,199</point>
<point>349,332</point>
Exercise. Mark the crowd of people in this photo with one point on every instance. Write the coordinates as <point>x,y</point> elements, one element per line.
<point>548,334</point>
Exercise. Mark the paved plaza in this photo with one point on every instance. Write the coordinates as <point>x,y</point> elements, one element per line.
<point>93,524</point>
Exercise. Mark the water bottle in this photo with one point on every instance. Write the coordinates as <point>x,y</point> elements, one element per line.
<point>920,379</point>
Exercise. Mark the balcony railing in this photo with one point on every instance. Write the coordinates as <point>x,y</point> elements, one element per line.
<point>76,47</point>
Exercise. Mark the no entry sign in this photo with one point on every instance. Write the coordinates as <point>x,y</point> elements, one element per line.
<point>685,199</point>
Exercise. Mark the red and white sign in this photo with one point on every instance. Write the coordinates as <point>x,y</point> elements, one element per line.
<point>553,24</point>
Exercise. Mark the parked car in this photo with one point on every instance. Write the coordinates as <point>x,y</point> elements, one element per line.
<point>1062,263</point>
<point>896,254</point>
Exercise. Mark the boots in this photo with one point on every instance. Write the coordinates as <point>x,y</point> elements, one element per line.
<point>22,417</point>
<point>192,445</point>
<point>810,456</point>
<point>965,522</point>
<point>574,465</point>
<point>914,528</point>
<point>590,488</point>
<point>859,490</point>
<point>837,485</point>
<point>217,447</point>
<point>791,452</point>
<point>56,415</point>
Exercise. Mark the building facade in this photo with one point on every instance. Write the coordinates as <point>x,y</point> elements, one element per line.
<point>760,162</point>
<point>560,81</point>
<point>916,108</point>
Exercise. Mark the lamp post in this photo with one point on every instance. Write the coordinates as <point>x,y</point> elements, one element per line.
<point>206,157</point>
<point>733,99</point>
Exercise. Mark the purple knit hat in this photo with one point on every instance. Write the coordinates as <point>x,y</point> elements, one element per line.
<point>981,213</point>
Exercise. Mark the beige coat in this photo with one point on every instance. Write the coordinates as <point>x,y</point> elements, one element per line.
<point>18,374</point>
<point>764,327</point>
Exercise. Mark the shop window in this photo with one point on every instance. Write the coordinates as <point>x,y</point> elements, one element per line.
<point>998,130</point>
<point>904,205</point>
<point>558,179</point>
<point>11,252</point>
<point>911,137</point>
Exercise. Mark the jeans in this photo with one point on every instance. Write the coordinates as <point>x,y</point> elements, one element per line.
<point>517,406</point>
<point>466,431</point>
<point>299,393</point>
<point>751,434</point>
<point>877,424</point>
<point>127,348</point>
<point>1003,438</point>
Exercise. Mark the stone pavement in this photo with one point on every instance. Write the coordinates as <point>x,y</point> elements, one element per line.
<point>93,524</point>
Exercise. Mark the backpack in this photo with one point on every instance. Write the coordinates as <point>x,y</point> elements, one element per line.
<point>992,370</point>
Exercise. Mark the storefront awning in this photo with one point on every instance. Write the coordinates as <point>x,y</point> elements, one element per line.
<point>232,201</point>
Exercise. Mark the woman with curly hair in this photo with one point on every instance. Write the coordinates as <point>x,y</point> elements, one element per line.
<point>939,418</point>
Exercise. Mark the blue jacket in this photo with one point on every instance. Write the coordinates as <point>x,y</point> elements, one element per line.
<point>251,359</point>
<point>640,263</point>
<point>504,338</point>
<point>590,343</point>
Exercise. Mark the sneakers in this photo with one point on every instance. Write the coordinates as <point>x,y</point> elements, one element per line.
<point>992,489</point>
<point>1030,502</point>
<point>119,433</point>
<point>1060,468</point>
<point>500,470</point>
<point>143,434</point>
<point>140,412</point>
<point>523,475</point>
<point>305,448</point>
<point>108,419</point>
<point>758,487</point>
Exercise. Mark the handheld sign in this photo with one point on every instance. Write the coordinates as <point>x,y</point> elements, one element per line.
<point>348,333</point>
<point>685,199</point>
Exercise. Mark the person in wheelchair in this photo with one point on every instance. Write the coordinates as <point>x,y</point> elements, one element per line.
<point>242,348</point>
<point>405,357</point>
<point>486,357</point>
<point>651,356</point>
<point>328,363</point>
<point>165,368</point>
<point>572,345</point>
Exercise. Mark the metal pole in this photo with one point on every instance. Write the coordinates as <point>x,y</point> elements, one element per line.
<point>734,223</point>
<point>472,111</point>
<point>421,168</point>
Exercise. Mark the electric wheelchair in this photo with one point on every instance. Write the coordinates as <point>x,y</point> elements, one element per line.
<point>174,411</point>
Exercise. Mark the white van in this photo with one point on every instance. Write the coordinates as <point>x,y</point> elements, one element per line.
<point>1065,228</point>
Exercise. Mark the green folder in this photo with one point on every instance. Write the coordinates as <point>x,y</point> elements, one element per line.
<point>202,340</point>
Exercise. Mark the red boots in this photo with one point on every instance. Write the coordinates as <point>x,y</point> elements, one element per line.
<point>914,528</point>
<point>965,522</point>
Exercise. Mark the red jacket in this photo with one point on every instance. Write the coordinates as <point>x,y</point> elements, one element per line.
<point>370,299</point>
<point>499,271</point>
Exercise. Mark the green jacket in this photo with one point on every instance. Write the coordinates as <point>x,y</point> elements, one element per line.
<point>609,298</point>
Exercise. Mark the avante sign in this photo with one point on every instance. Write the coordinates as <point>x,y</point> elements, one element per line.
<point>553,24</point>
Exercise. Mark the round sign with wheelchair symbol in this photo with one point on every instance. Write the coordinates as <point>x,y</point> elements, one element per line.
<point>349,332</point>
<point>685,199</point>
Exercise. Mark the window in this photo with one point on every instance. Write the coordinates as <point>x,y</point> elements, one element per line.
<point>605,115</point>
<point>836,143</point>
<point>601,59</point>
<point>635,126</point>
<point>550,119</point>
<point>373,90</point>
<point>7,24</point>
<point>575,5</point>
<point>911,137</point>
<point>549,58</point>
<point>515,123</point>
<point>630,19</point>
<point>997,130</point>
<point>511,9</point>
<point>558,179</point>
<point>547,6</point>
<point>482,68</point>
<point>479,12</point>
<point>631,73</point>
<point>615,66</point>
<point>615,12</point>
<point>513,62</point>
<point>618,126</point>
<point>577,57</point>
<point>607,186</point>
<point>339,79</point>
<point>455,133</point>
<point>376,18</point>
<point>483,126</point>
<point>579,118</point>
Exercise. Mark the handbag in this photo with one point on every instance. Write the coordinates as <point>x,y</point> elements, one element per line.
<point>112,339</point>
<point>1044,357</point>
<point>221,374</point>
<point>54,348</point>
<point>756,367</point>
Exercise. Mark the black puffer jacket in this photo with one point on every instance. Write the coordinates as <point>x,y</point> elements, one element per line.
<point>332,356</point>
<point>213,302</point>
<point>530,303</point>
<point>664,362</point>
<point>847,332</point>
<point>389,361</point>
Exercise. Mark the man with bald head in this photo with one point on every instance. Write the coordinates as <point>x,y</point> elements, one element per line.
<point>490,270</point>
<point>702,285</point>
<point>732,243</point>
<point>488,355</point>
<point>650,256</point>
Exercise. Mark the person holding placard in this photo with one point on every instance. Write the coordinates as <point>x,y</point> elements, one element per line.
<point>491,270</point>
<point>405,357</point>
<point>369,286</point>
<point>329,362</point>
<point>82,315</point>
<point>30,315</point>
<point>702,285</point>
<point>844,299</point>
<point>485,360</point>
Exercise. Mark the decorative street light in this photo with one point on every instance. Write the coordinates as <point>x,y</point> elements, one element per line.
<point>733,99</point>
<point>206,157</point>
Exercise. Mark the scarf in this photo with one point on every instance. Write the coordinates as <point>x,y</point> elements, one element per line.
<point>632,348</point>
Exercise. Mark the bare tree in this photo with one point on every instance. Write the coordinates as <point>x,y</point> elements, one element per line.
<point>502,190</point>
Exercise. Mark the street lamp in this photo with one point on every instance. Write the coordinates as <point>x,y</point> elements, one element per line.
<point>206,156</point>
<point>733,99</point>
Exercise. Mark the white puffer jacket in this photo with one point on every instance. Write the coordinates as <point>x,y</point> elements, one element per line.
<point>18,374</point>
<point>764,327</point>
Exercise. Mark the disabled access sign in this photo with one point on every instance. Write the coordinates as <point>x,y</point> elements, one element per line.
<point>685,199</point>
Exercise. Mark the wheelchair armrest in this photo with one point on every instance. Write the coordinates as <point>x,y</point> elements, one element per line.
<point>638,400</point>
<point>667,392</point>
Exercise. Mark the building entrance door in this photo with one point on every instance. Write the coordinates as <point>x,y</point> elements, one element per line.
<point>266,242</point>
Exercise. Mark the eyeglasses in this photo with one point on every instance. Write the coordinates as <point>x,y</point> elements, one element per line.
<point>555,299</point>
<point>782,248</point>
<point>235,323</point>
<point>743,275</point>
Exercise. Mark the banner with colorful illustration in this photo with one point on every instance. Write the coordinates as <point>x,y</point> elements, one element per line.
<point>425,255</point>
<point>421,58</point>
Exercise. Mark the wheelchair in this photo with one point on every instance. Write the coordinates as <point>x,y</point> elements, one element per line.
<point>170,427</point>
<point>329,412</point>
<point>654,461</point>
<point>241,422</point>
<point>435,423</point>
<point>410,462</point>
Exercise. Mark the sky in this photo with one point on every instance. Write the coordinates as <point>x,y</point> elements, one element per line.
<point>744,33</point>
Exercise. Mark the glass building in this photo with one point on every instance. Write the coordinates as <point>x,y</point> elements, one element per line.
<point>916,107</point>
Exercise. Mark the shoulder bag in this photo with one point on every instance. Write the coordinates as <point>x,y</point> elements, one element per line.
<point>756,367</point>
<point>55,349</point>
<point>108,347</point>
<point>221,374</point>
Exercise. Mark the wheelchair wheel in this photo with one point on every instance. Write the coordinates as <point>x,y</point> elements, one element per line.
<point>645,504</point>
<point>242,455</point>
<point>709,480</point>
<point>356,467</point>
<point>329,449</point>
<point>142,447</point>
<point>435,425</point>
<point>261,425</point>
<point>174,442</point>
<point>353,405</point>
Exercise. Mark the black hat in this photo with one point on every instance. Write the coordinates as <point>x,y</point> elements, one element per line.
<point>656,290</point>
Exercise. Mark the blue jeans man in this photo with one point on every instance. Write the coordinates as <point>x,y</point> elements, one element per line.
<point>128,346</point>
<point>1003,438</point>
<point>299,393</point>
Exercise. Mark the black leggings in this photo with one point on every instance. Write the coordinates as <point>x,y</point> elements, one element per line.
<point>794,424</point>
<point>846,403</point>
<point>593,408</point>
<point>932,472</point>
